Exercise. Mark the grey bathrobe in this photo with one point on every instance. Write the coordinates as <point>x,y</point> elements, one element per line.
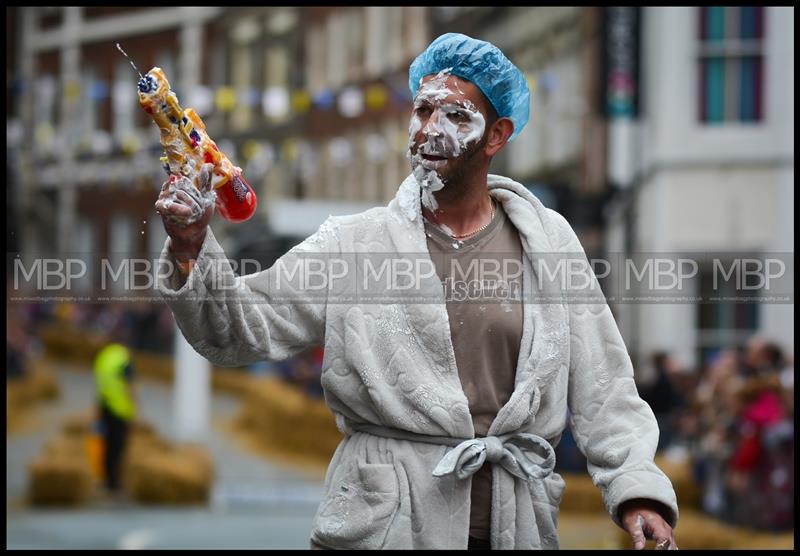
<point>392,365</point>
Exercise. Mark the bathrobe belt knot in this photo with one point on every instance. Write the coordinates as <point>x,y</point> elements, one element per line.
<point>522,454</point>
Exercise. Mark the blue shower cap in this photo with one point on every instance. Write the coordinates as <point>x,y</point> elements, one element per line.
<point>483,64</point>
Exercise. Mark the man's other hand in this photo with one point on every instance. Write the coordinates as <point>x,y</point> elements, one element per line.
<point>642,520</point>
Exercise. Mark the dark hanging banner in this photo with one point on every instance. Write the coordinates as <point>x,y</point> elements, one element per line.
<point>620,35</point>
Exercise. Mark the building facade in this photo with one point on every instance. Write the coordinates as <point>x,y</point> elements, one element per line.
<point>707,169</point>
<point>694,155</point>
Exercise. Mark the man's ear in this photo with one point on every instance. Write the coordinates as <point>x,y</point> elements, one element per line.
<point>499,133</point>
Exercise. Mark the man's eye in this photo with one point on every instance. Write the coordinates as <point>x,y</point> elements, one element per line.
<point>423,110</point>
<point>457,116</point>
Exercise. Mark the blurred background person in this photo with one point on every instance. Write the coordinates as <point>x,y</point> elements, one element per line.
<point>742,438</point>
<point>17,344</point>
<point>762,358</point>
<point>114,374</point>
<point>760,473</point>
<point>663,397</point>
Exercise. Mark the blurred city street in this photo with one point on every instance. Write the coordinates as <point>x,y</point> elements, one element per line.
<point>161,395</point>
<point>254,504</point>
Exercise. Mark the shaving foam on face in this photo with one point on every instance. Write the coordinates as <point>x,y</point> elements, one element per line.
<point>449,130</point>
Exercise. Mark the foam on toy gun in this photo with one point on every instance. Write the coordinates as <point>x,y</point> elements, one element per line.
<point>187,147</point>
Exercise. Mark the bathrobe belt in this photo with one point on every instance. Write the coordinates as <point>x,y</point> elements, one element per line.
<point>522,454</point>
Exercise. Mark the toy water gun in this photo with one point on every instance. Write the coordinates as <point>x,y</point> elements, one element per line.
<point>188,147</point>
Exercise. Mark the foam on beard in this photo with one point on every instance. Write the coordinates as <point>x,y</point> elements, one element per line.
<point>445,138</point>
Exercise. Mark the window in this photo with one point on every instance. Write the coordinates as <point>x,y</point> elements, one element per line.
<point>88,108</point>
<point>276,99</point>
<point>723,322</point>
<point>166,61</point>
<point>337,49</point>
<point>45,104</point>
<point>124,101</point>
<point>377,31</point>
<point>415,31</point>
<point>394,37</point>
<point>731,64</point>
<point>315,53</point>
<point>246,56</point>
<point>355,44</point>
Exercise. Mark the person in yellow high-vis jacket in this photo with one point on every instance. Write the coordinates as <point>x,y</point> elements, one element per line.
<point>113,372</point>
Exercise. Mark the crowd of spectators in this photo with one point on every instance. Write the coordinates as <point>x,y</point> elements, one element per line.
<point>735,419</point>
<point>734,416</point>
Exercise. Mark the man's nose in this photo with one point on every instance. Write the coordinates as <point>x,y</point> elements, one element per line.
<point>432,127</point>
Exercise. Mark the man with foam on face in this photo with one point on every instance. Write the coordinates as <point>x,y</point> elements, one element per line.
<point>450,408</point>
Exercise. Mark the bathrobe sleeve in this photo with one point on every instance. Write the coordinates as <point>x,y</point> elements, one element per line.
<point>614,428</point>
<point>237,320</point>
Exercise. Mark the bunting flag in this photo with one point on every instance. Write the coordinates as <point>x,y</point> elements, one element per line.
<point>340,151</point>
<point>44,134</point>
<point>201,100</point>
<point>276,103</point>
<point>289,150</point>
<point>131,144</point>
<point>99,91</point>
<point>101,142</point>
<point>377,96</point>
<point>260,156</point>
<point>325,99</point>
<point>351,102</point>
<point>248,96</point>
<point>72,90</point>
<point>251,149</point>
<point>225,99</point>
<point>301,101</point>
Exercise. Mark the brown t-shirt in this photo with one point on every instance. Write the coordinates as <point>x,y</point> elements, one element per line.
<point>482,281</point>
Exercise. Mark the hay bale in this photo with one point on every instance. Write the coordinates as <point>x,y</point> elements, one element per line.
<point>283,417</point>
<point>143,428</point>
<point>244,420</point>
<point>152,469</point>
<point>58,478</point>
<point>23,393</point>
<point>44,386</point>
<point>153,365</point>
<point>580,495</point>
<point>67,343</point>
<point>62,474</point>
<point>144,441</point>
<point>14,420</point>
<point>231,381</point>
<point>689,493</point>
<point>179,476</point>
<point>19,393</point>
<point>67,447</point>
<point>79,424</point>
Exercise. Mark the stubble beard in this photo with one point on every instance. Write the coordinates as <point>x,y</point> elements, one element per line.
<point>456,174</point>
